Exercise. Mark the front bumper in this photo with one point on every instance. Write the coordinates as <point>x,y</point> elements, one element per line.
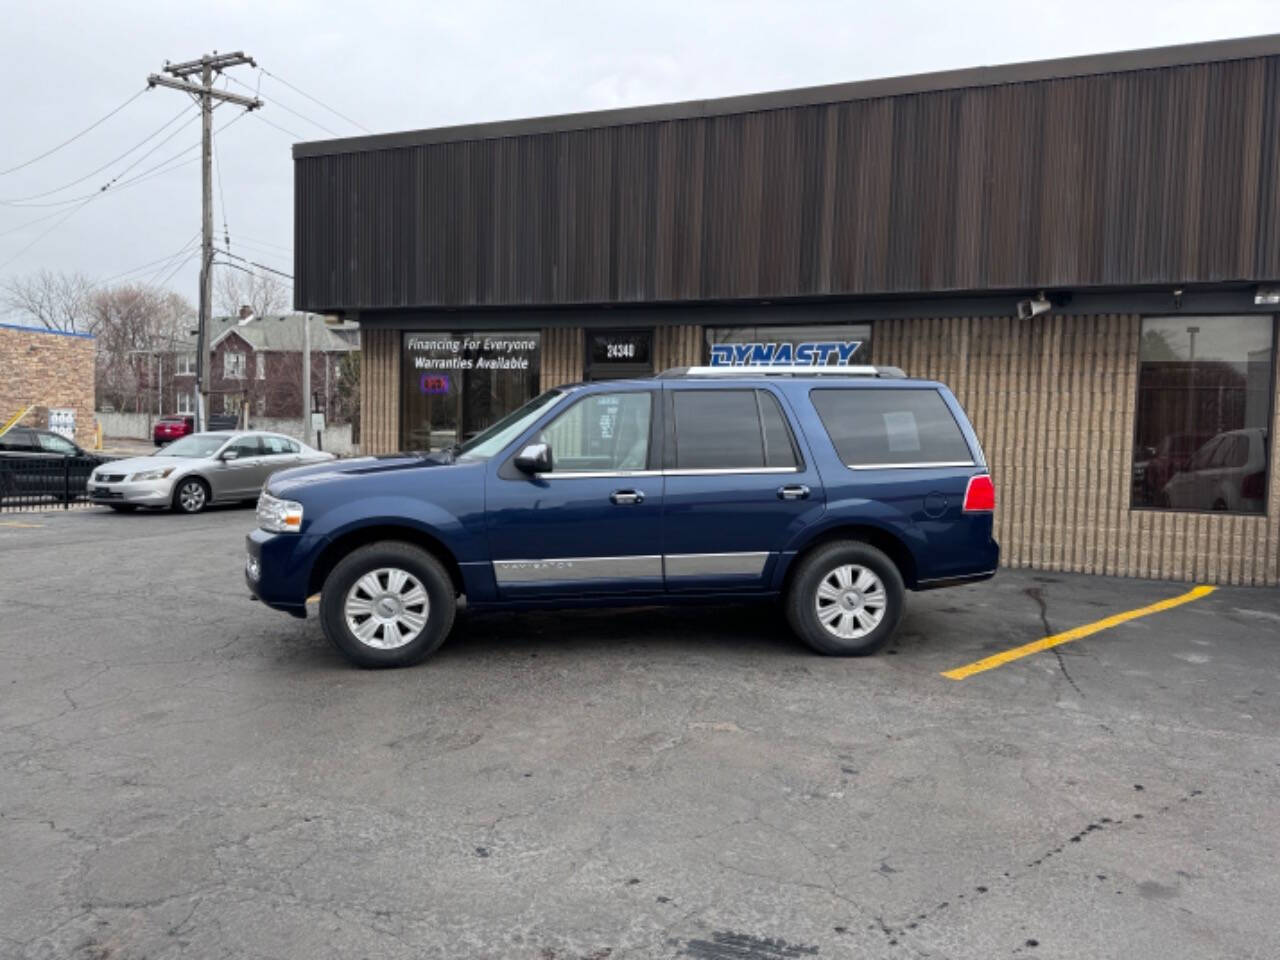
<point>143,493</point>
<point>277,569</point>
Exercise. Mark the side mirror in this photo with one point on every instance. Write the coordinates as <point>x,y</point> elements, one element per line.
<point>535,458</point>
<point>232,454</point>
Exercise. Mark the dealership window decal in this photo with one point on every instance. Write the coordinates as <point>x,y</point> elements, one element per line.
<point>806,346</point>
<point>456,384</point>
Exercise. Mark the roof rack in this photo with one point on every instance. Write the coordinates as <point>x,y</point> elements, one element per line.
<point>891,373</point>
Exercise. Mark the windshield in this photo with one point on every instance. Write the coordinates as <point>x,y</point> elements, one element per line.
<point>484,445</point>
<point>200,445</point>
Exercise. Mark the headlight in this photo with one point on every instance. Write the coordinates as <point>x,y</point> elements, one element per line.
<point>152,474</point>
<point>279,516</point>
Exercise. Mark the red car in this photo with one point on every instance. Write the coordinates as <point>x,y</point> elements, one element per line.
<point>172,427</point>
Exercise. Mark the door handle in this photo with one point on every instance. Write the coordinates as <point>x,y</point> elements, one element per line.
<point>793,491</point>
<point>627,496</point>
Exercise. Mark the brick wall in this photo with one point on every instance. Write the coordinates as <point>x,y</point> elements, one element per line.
<point>50,370</point>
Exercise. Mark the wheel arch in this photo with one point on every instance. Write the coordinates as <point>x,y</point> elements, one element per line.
<point>344,543</point>
<point>889,543</point>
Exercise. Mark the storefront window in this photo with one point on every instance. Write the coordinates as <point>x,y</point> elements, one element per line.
<point>454,385</point>
<point>1204,407</point>
<point>820,345</point>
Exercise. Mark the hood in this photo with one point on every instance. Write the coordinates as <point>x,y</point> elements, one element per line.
<point>336,471</point>
<point>133,465</point>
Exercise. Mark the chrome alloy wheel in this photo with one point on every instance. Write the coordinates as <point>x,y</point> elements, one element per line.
<point>386,608</point>
<point>191,496</point>
<point>850,601</point>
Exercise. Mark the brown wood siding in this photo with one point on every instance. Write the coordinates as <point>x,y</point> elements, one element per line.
<point>1159,176</point>
<point>561,356</point>
<point>1053,403</point>
<point>677,347</point>
<point>379,390</point>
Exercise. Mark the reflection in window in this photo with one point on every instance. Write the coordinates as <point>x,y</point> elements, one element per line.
<point>1204,405</point>
<point>602,432</point>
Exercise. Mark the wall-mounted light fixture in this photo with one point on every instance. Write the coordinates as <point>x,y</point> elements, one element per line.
<point>1034,307</point>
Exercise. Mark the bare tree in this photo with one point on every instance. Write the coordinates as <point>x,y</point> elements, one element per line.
<point>264,293</point>
<point>55,301</point>
<point>130,321</point>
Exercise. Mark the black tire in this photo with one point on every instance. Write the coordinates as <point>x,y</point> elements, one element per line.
<point>123,507</point>
<point>824,564</point>
<point>388,555</point>
<point>185,498</point>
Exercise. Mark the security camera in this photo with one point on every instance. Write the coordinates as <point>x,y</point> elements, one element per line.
<point>1033,308</point>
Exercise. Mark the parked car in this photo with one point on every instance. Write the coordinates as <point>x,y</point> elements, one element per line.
<point>173,427</point>
<point>832,493</point>
<point>200,469</point>
<point>1162,461</point>
<point>1227,473</point>
<point>41,463</point>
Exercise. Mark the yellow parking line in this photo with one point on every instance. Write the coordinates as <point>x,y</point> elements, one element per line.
<point>1075,633</point>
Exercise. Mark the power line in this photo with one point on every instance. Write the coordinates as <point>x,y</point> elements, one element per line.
<point>64,143</point>
<point>343,116</point>
<point>143,266</point>
<point>89,198</point>
<point>174,272</point>
<point>144,175</point>
<point>67,215</point>
<point>30,223</point>
<point>37,196</point>
<point>261,266</point>
<point>236,266</point>
<point>262,250</point>
<point>268,243</point>
<point>287,109</point>
<point>278,127</point>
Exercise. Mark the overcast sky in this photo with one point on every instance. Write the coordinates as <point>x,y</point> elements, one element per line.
<point>408,65</point>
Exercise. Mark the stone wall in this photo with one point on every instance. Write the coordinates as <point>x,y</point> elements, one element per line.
<point>51,370</point>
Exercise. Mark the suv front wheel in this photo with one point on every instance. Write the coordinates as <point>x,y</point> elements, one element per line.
<point>389,604</point>
<point>846,599</point>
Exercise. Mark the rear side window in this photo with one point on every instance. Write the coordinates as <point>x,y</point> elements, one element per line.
<point>885,428</point>
<point>730,430</point>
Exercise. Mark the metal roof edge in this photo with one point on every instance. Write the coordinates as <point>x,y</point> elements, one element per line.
<point>1149,58</point>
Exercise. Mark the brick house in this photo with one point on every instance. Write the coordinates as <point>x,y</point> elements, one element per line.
<point>256,363</point>
<point>51,371</point>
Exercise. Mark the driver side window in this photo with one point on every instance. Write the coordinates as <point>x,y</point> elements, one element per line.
<point>600,433</point>
<point>246,447</point>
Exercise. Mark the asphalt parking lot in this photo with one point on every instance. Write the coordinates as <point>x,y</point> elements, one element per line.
<point>184,773</point>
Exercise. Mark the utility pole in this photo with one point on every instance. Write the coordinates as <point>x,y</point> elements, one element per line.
<point>306,374</point>
<point>205,94</point>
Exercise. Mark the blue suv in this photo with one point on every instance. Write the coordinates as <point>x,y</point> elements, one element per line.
<point>834,490</point>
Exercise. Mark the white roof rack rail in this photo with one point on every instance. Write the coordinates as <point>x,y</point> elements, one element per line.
<point>763,370</point>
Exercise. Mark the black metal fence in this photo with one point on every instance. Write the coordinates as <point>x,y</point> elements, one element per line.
<point>34,481</point>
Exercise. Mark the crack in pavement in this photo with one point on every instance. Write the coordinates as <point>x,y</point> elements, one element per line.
<point>1037,594</point>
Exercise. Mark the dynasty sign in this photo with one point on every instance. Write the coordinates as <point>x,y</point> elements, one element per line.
<point>804,354</point>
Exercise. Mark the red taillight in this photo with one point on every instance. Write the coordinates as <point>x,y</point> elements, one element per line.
<point>980,495</point>
<point>1251,486</point>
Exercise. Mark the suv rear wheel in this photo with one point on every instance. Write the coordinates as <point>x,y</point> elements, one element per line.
<point>846,599</point>
<point>389,604</point>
